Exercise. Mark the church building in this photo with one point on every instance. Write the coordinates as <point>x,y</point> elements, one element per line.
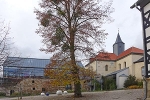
<point>119,64</point>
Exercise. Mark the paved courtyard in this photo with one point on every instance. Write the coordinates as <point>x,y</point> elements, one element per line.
<point>135,94</point>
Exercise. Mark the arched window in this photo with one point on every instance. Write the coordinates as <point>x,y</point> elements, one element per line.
<point>106,68</point>
<point>119,66</point>
<point>125,65</point>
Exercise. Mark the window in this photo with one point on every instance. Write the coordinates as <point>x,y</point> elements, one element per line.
<point>142,71</point>
<point>125,65</point>
<point>119,66</point>
<point>32,81</point>
<point>106,68</point>
<point>43,89</point>
<point>33,88</point>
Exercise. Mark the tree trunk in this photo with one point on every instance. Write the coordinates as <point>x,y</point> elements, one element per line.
<point>77,85</point>
<point>75,72</point>
<point>77,89</point>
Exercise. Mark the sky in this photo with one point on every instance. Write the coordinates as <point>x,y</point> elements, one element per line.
<point>20,16</point>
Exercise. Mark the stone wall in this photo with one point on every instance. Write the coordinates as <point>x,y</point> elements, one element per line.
<point>36,86</point>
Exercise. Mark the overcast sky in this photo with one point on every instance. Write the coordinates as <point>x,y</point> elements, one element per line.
<point>22,21</point>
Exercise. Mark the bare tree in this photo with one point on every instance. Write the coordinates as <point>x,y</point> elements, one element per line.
<point>71,28</point>
<point>4,40</point>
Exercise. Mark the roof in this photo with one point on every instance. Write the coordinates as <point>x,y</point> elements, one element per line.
<point>106,56</point>
<point>123,75</point>
<point>26,62</point>
<point>116,72</point>
<point>118,39</point>
<point>29,62</point>
<point>140,3</point>
<point>112,57</point>
<point>129,51</point>
<point>140,60</point>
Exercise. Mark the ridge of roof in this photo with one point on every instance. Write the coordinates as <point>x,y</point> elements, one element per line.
<point>29,58</point>
<point>106,56</point>
<point>129,51</point>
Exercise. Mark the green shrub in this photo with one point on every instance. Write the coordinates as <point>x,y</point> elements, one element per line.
<point>140,83</point>
<point>131,80</point>
<point>112,86</point>
<point>2,94</point>
<point>26,94</point>
<point>109,83</point>
<point>15,94</point>
<point>97,85</point>
<point>69,91</point>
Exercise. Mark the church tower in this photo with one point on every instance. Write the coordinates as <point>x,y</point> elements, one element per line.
<point>118,46</point>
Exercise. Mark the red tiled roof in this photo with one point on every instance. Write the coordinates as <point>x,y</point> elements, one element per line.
<point>129,51</point>
<point>104,56</point>
<point>112,56</point>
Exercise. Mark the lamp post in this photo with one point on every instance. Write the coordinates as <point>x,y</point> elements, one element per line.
<point>144,7</point>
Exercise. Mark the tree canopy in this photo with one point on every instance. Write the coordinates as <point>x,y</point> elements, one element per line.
<point>72,28</point>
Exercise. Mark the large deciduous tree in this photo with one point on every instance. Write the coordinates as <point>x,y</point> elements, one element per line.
<point>71,28</point>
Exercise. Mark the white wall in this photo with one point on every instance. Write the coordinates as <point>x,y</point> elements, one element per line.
<point>120,82</point>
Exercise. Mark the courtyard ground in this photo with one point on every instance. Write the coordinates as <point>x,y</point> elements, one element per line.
<point>134,94</point>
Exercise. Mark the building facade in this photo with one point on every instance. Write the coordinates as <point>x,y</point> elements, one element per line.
<point>127,62</point>
<point>27,75</point>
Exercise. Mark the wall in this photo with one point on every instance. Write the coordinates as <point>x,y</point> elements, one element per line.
<point>135,57</point>
<point>27,86</point>
<point>121,82</point>
<point>118,81</point>
<point>138,72</point>
<point>101,67</point>
<point>129,62</point>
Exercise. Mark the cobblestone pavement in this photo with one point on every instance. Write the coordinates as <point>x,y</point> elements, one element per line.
<point>135,94</point>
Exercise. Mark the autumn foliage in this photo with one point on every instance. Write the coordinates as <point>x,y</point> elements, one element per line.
<point>62,75</point>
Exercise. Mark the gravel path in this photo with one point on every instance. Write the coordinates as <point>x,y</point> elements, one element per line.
<point>135,94</point>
